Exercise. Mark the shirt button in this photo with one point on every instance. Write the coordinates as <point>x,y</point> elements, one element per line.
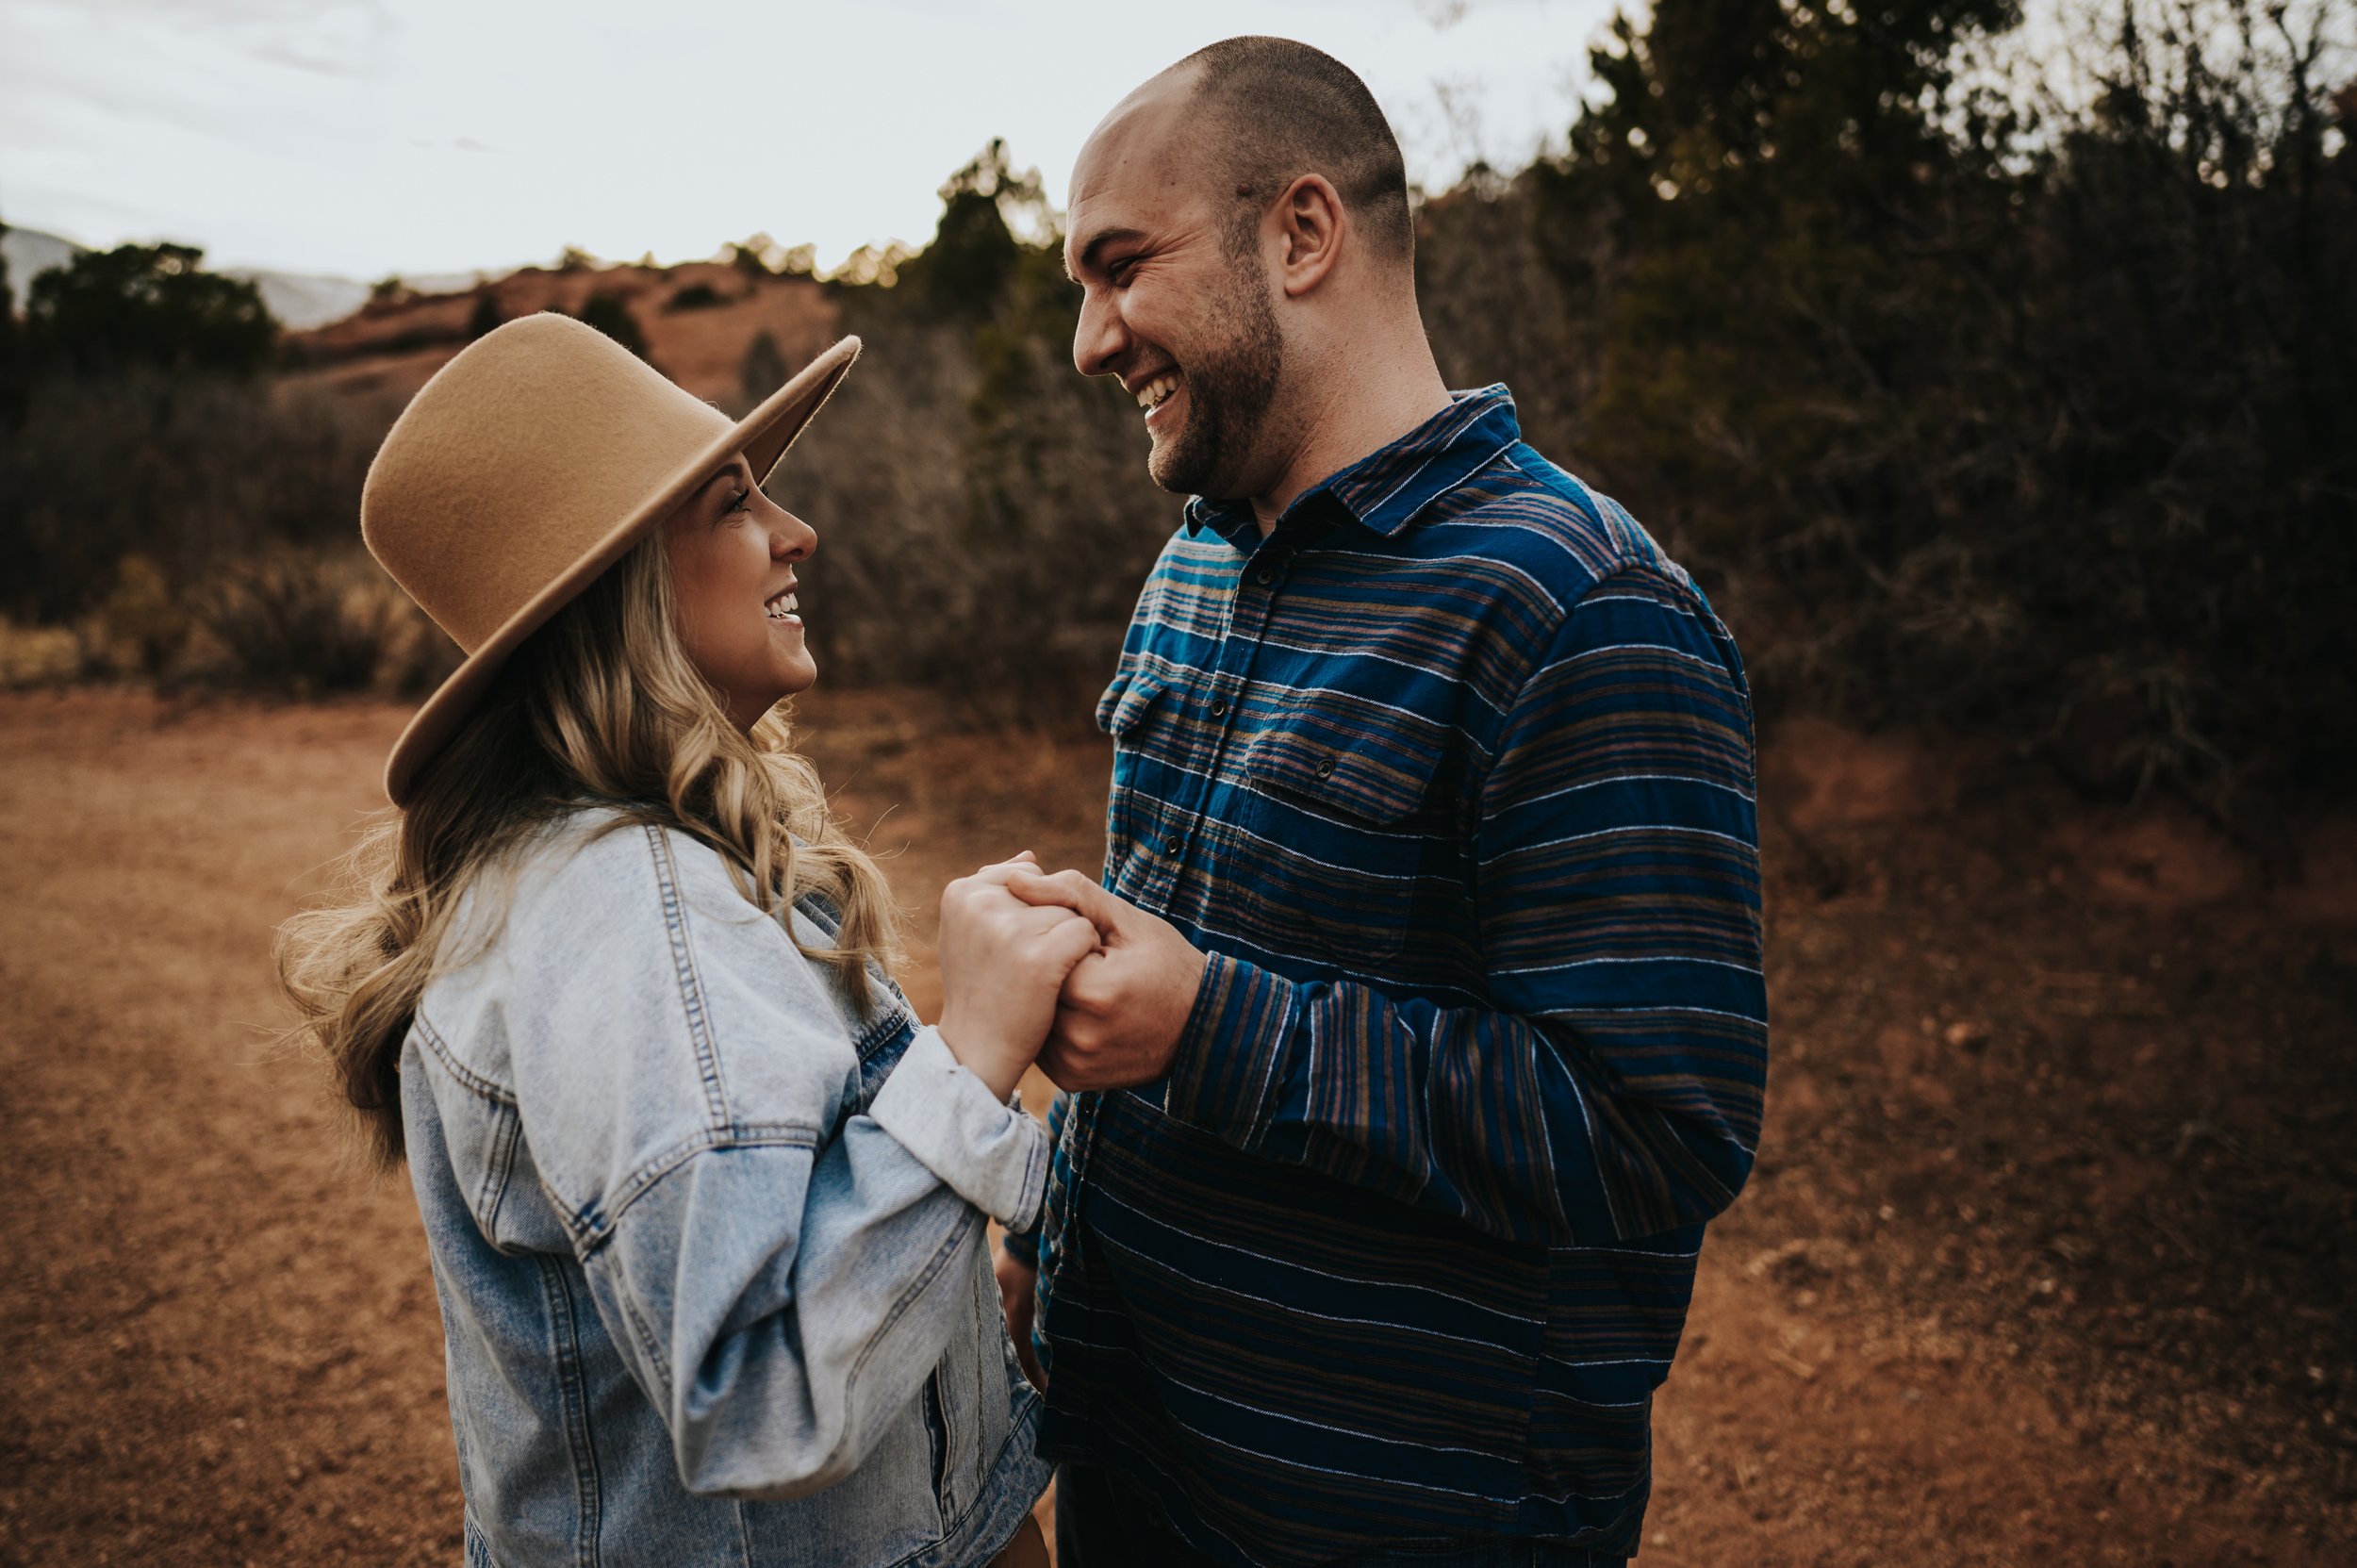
<point>1170,847</point>
<point>1265,575</point>
<point>1219,709</point>
<point>1326,768</point>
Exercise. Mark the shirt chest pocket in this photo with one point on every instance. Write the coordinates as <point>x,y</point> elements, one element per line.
<point>1352,833</point>
<point>1146,719</point>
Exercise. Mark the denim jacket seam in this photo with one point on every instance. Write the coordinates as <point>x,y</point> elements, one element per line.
<point>983,1495</point>
<point>507,1125</point>
<point>743,1537</point>
<point>648,1345</point>
<point>661,1362</point>
<point>880,1031</point>
<point>499,1170</point>
<point>1034,1182</point>
<point>593,1224</point>
<point>893,1007</point>
<point>486,1087</point>
<point>581,1447</point>
<point>683,969</point>
<point>1035,1179</point>
<point>924,1280</point>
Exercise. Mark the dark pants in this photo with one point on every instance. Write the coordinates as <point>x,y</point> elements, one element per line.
<point>1105,1520</point>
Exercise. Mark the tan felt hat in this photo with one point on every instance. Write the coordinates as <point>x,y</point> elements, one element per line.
<point>529,465</point>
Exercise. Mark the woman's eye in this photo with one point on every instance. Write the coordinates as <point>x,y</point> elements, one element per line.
<point>737,503</point>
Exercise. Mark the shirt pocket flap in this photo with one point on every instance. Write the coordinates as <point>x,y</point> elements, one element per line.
<point>1345,765</point>
<point>1127,701</point>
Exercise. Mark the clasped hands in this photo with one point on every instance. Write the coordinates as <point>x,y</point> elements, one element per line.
<point>1058,969</point>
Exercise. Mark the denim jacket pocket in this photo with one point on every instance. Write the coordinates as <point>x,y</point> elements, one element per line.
<point>968,1401</point>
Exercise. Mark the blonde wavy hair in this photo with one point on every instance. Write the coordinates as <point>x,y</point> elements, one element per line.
<point>601,707</point>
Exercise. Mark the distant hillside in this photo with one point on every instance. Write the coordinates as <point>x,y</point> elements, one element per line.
<point>29,252</point>
<point>700,320</point>
<point>300,301</point>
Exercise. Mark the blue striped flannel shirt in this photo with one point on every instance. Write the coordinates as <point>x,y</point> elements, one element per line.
<point>1452,776</point>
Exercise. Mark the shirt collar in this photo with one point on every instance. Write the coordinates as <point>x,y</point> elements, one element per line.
<point>1384,490</point>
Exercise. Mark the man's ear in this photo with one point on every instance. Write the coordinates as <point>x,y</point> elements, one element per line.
<point>1313,227</point>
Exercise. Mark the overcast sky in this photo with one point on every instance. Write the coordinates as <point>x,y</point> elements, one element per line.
<point>371,136</point>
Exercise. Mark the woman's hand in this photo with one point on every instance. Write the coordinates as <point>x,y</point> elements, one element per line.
<point>1003,963</point>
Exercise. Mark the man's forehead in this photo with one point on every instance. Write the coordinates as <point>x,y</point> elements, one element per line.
<point>1143,128</point>
<point>1137,166</point>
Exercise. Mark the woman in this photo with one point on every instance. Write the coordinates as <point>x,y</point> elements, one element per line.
<point>706,1209</point>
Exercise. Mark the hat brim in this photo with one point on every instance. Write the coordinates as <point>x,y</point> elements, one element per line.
<point>763,435</point>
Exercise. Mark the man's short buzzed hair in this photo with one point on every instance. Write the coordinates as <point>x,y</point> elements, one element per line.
<point>1274,111</point>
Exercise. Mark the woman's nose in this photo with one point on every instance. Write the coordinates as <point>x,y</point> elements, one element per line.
<point>792,540</point>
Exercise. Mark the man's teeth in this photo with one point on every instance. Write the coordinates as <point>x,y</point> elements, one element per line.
<point>1155,392</point>
<point>783,605</point>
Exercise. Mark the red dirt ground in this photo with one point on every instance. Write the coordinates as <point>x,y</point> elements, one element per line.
<point>2047,1258</point>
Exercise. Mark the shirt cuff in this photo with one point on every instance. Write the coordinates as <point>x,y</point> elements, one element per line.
<point>1225,1074</point>
<point>1022,1247</point>
<point>994,1156</point>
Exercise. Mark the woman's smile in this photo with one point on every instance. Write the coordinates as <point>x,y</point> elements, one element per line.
<point>729,540</point>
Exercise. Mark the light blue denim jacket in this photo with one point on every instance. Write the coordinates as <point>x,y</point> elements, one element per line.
<point>709,1243</point>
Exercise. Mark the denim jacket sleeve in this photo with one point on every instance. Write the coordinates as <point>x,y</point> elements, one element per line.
<point>780,1276</point>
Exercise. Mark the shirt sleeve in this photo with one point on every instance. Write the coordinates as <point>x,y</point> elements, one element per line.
<point>779,1293</point>
<point>1613,1088</point>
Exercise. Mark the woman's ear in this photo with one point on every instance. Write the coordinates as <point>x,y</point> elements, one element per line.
<point>1311,223</point>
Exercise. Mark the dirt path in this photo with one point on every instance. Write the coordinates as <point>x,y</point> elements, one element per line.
<point>2047,1260</point>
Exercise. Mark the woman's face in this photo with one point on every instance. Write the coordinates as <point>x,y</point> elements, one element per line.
<point>732,555</point>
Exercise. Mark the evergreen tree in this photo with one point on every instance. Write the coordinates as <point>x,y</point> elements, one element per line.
<point>147,305</point>
<point>975,254</point>
<point>485,317</point>
<point>610,315</point>
<point>762,370</point>
<point>14,369</point>
<point>2026,401</point>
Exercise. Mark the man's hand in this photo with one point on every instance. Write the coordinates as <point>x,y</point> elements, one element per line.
<point>1018,1283</point>
<point>1122,1007</point>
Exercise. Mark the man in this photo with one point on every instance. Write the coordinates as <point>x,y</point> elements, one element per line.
<point>1430,1024</point>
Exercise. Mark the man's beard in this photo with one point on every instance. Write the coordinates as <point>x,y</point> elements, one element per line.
<point>1228,392</point>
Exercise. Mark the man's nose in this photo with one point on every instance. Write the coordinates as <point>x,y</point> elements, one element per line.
<point>1099,339</point>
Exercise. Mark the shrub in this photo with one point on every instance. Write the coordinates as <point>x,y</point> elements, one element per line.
<point>297,624</point>
<point>184,470</point>
<point>143,620</point>
<point>695,296</point>
<point>763,369</point>
<point>418,655</point>
<point>38,655</point>
<point>611,315</point>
